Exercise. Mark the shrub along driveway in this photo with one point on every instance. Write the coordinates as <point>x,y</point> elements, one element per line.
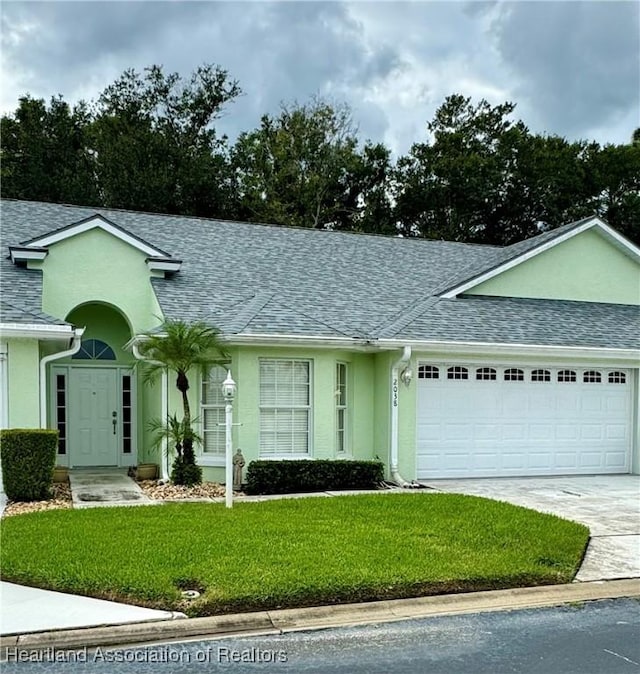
<point>290,552</point>
<point>608,504</point>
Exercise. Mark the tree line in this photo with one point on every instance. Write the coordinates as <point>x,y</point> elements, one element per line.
<point>149,142</point>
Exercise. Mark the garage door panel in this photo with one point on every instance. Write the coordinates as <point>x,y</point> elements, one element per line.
<point>592,432</point>
<point>566,460</point>
<point>615,460</point>
<point>541,432</point>
<point>481,428</point>
<point>540,460</point>
<point>566,432</point>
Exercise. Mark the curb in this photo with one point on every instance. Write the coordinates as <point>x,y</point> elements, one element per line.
<point>321,617</point>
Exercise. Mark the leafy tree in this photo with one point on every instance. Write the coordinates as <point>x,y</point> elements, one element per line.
<point>180,347</point>
<point>484,177</point>
<point>155,145</point>
<point>614,171</point>
<point>46,154</point>
<point>304,168</point>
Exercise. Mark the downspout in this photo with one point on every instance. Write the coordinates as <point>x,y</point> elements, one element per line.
<point>45,360</point>
<point>164,404</point>
<point>399,365</point>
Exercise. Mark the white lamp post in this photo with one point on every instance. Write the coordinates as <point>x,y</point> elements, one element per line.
<point>229,389</point>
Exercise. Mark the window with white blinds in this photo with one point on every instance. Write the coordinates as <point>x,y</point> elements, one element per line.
<point>212,406</point>
<point>285,406</point>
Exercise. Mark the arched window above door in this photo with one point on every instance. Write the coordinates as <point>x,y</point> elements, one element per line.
<point>94,349</point>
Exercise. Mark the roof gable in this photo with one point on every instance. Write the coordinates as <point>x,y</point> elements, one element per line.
<point>523,251</point>
<point>37,248</point>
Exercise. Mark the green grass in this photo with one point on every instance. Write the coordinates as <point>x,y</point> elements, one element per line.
<point>292,552</point>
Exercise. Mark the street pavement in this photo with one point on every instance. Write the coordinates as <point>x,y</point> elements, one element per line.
<point>592,638</point>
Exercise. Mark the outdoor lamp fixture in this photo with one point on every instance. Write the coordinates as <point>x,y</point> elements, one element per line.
<point>229,389</point>
<point>406,376</point>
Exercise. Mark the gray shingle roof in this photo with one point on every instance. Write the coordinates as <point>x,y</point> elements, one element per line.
<point>527,321</point>
<point>248,279</point>
<point>13,313</point>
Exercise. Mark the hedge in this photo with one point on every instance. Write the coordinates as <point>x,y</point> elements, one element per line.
<point>286,477</point>
<point>28,459</point>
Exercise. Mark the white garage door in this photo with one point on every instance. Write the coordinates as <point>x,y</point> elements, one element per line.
<point>489,420</point>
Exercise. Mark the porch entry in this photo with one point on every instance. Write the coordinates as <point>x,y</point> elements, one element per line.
<point>93,416</point>
<point>93,409</point>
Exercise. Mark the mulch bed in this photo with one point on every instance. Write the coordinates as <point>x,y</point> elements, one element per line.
<point>61,499</point>
<point>158,492</point>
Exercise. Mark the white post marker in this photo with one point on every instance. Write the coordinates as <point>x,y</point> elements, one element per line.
<point>228,392</point>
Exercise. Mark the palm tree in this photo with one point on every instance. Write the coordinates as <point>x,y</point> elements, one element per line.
<point>180,347</point>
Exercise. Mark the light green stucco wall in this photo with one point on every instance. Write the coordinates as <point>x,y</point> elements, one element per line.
<point>586,268</point>
<point>104,323</point>
<point>95,266</point>
<point>245,364</point>
<point>23,382</point>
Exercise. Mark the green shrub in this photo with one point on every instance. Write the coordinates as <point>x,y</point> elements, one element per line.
<point>285,477</point>
<point>28,458</point>
<point>185,472</point>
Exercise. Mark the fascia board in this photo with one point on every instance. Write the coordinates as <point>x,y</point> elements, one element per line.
<point>610,233</point>
<point>24,253</point>
<point>164,265</point>
<point>315,341</point>
<point>631,356</point>
<point>97,223</point>
<point>36,331</point>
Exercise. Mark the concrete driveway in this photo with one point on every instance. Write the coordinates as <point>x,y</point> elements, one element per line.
<point>608,504</point>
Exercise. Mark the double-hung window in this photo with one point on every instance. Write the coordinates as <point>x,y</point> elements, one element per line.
<point>213,404</point>
<point>285,407</point>
<point>341,407</point>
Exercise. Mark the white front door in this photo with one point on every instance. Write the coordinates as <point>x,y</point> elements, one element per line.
<point>93,416</point>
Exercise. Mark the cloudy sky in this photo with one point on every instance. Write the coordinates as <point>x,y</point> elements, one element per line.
<point>571,67</point>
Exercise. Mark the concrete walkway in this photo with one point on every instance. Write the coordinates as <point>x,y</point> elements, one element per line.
<point>608,504</point>
<point>92,488</point>
<point>29,609</point>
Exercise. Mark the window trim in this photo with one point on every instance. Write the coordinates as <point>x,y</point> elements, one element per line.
<point>616,377</point>
<point>428,372</point>
<point>346,439</point>
<point>486,373</point>
<point>309,408</point>
<point>508,374</point>
<point>210,458</point>
<point>458,373</point>
<point>540,375</point>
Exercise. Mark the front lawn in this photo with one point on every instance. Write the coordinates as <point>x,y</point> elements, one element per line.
<point>290,552</point>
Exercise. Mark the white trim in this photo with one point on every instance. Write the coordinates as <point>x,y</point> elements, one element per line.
<point>74,348</point>
<point>22,254</point>
<point>265,339</point>
<point>629,356</point>
<point>308,408</point>
<point>36,330</point>
<point>4,391</point>
<point>96,222</point>
<point>610,233</point>
<point>164,265</point>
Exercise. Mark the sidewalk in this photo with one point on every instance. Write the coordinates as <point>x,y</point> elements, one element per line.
<point>29,609</point>
<point>321,617</point>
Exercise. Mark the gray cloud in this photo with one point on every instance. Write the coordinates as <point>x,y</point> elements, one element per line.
<point>569,66</point>
<point>576,63</point>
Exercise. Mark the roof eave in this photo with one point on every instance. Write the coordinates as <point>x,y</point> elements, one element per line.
<point>36,331</point>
